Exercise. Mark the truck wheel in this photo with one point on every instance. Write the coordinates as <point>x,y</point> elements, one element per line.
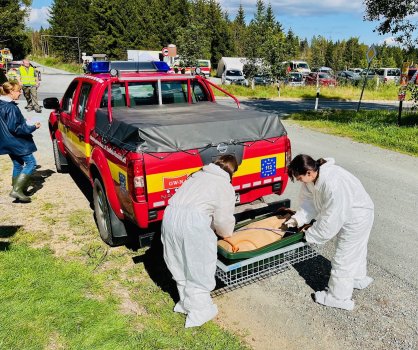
<point>60,161</point>
<point>107,221</point>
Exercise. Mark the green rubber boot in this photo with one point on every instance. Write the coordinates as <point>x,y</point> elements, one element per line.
<point>20,184</point>
<point>13,185</point>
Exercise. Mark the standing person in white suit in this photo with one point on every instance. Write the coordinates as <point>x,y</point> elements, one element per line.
<point>203,204</point>
<point>338,202</point>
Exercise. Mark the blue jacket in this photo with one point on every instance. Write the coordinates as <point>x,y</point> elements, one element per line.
<point>15,134</point>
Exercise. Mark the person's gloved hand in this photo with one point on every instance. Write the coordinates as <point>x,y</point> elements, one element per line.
<point>291,223</point>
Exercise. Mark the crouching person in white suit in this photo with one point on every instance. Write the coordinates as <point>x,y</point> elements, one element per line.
<point>204,203</point>
<point>338,202</point>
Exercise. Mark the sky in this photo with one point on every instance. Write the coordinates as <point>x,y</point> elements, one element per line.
<point>332,19</point>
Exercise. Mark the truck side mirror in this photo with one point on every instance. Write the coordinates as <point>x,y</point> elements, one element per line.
<point>51,103</point>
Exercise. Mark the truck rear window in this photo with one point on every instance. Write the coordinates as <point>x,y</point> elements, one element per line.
<point>146,93</point>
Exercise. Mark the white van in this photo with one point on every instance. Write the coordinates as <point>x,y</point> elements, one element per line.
<point>388,74</point>
<point>299,66</point>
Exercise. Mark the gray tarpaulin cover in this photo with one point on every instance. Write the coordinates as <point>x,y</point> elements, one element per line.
<point>174,127</point>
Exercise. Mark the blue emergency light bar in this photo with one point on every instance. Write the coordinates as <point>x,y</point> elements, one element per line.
<point>97,67</point>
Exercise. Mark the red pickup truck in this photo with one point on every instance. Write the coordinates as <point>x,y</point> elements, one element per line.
<point>138,131</point>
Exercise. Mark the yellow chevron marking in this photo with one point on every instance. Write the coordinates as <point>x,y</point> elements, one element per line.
<point>115,169</point>
<point>155,182</point>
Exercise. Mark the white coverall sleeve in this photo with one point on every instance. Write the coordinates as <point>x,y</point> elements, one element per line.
<point>223,217</point>
<point>335,209</point>
<point>306,212</point>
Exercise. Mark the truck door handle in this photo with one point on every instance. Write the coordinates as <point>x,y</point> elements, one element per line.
<point>81,137</point>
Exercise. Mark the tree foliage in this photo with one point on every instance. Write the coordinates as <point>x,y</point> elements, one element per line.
<point>12,26</point>
<point>199,28</point>
<point>396,17</point>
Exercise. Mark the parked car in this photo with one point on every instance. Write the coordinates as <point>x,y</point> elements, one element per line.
<point>298,66</point>
<point>295,79</point>
<point>262,80</point>
<point>355,70</point>
<point>234,76</point>
<point>348,77</point>
<point>16,64</point>
<point>389,74</point>
<point>323,78</point>
<point>371,74</point>
<point>327,70</point>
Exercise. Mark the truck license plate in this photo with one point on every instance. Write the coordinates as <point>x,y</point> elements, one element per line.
<point>237,198</point>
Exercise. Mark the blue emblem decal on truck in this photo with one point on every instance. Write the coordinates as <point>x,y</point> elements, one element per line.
<point>122,182</point>
<point>268,167</point>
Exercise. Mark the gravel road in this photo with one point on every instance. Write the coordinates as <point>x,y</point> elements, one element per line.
<point>278,312</point>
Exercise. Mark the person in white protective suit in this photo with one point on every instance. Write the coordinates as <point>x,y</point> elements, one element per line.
<point>338,202</point>
<point>203,204</point>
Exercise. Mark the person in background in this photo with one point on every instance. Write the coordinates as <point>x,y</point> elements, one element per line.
<point>203,204</point>
<point>28,78</point>
<point>338,202</point>
<point>16,140</point>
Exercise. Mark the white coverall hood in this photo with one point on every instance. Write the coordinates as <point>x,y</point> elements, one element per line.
<point>341,206</point>
<point>206,199</point>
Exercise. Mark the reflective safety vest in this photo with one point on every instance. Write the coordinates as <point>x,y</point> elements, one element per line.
<point>27,76</point>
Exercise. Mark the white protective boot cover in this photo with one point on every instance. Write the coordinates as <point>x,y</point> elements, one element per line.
<point>197,318</point>
<point>362,283</point>
<point>325,298</point>
<point>179,307</point>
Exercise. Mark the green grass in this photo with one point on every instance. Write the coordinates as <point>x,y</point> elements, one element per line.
<point>383,92</point>
<point>49,303</point>
<point>373,127</point>
<point>57,63</point>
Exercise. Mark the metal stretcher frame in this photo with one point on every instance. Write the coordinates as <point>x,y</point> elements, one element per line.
<point>261,266</point>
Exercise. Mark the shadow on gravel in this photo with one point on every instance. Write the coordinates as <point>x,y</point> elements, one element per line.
<point>156,268</point>
<point>315,272</point>
<point>83,183</point>
<point>7,232</point>
<point>38,179</point>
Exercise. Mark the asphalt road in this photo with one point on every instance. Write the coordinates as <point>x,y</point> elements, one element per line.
<point>390,178</point>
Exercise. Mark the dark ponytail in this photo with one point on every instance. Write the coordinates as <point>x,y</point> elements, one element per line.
<point>303,163</point>
<point>228,163</point>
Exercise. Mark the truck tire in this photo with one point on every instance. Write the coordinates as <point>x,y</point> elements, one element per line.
<point>112,230</point>
<point>61,163</point>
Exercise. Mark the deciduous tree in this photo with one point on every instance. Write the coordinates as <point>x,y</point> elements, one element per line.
<point>396,17</point>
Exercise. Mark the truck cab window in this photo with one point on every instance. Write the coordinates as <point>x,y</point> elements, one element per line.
<point>103,102</point>
<point>143,94</point>
<point>67,100</point>
<point>118,98</point>
<point>82,100</point>
<point>198,94</point>
<point>173,92</point>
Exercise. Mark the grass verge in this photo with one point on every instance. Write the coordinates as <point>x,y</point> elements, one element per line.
<point>49,303</point>
<point>386,92</point>
<point>57,63</point>
<point>373,127</point>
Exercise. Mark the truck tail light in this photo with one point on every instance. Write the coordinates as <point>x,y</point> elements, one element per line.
<point>136,179</point>
<point>288,150</point>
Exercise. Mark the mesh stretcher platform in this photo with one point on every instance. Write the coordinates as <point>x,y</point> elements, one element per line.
<point>264,265</point>
<point>261,263</point>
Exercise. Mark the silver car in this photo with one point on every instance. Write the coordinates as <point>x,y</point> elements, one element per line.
<point>295,79</point>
